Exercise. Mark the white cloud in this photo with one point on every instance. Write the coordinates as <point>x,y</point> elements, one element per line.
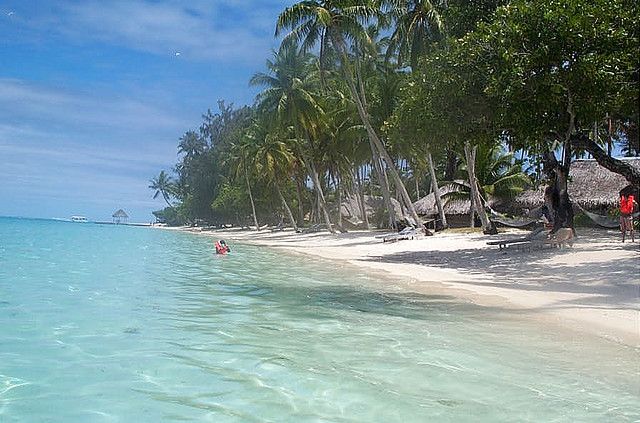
<point>228,31</point>
<point>72,147</point>
<point>22,99</point>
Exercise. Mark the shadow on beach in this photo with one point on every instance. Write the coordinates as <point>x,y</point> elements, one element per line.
<point>613,281</point>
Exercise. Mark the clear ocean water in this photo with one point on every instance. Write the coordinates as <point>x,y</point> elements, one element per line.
<point>123,324</point>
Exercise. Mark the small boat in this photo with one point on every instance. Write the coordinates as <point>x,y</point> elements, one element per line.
<point>79,219</point>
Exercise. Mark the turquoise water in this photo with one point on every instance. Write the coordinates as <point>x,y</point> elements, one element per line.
<point>120,324</point>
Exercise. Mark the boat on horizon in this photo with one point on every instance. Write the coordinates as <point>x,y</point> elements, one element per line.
<point>79,219</point>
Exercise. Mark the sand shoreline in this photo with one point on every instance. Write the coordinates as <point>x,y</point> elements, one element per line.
<point>593,287</point>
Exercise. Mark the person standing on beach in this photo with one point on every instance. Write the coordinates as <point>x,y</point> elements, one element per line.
<point>627,204</point>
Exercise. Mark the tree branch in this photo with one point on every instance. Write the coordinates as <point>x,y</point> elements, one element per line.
<point>620,167</point>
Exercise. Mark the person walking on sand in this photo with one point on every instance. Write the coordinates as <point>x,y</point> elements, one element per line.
<point>627,204</point>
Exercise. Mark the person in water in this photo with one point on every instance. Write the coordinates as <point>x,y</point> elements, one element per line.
<point>222,247</point>
<point>627,204</point>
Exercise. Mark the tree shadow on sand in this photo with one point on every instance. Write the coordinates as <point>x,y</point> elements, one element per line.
<point>615,282</point>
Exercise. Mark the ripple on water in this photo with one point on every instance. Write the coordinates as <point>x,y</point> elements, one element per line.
<point>125,324</point>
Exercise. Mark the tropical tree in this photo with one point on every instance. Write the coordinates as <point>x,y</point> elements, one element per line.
<point>500,176</point>
<point>241,160</point>
<point>163,185</point>
<point>417,26</point>
<point>275,161</point>
<point>335,23</point>
<point>191,145</point>
<point>554,68</point>
<point>289,98</point>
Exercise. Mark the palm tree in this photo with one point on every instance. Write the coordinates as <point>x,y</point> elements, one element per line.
<point>497,175</point>
<point>288,96</point>
<point>241,160</point>
<point>163,185</point>
<point>337,22</point>
<point>191,145</point>
<point>417,26</point>
<point>275,160</point>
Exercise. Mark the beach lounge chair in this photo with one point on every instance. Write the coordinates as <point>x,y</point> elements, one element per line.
<point>528,238</point>
<point>406,233</point>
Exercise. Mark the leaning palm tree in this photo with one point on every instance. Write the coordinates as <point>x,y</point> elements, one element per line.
<point>289,97</point>
<point>163,185</point>
<point>417,26</point>
<point>336,23</point>
<point>241,161</point>
<point>275,161</point>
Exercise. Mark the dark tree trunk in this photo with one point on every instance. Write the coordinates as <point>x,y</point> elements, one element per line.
<point>452,165</point>
<point>556,194</point>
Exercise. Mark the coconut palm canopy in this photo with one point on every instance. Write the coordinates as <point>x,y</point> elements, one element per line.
<point>590,185</point>
<point>120,214</point>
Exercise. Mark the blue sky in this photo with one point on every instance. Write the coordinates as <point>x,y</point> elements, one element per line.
<point>94,94</point>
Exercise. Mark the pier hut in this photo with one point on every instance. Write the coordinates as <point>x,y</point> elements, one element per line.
<point>120,217</point>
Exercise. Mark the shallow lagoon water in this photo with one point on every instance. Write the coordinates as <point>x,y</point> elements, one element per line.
<point>121,324</point>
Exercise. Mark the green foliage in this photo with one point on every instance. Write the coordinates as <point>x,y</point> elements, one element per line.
<point>499,175</point>
<point>547,59</point>
<point>171,216</point>
<point>232,203</point>
<point>488,72</point>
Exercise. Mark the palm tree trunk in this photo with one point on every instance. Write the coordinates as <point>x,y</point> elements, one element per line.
<point>436,192</point>
<point>286,207</point>
<point>253,206</point>
<point>487,226</point>
<point>364,117</point>
<point>363,208</point>
<point>338,185</point>
<point>166,199</point>
<point>384,185</point>
<point>300,204</point>
<point>322,203</point>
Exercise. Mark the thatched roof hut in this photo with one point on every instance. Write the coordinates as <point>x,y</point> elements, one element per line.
<point>590,185</point>
<point>426,206</point>
<point>120,216</point>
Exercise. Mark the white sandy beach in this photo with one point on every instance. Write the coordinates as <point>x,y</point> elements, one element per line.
<point>593,287</point>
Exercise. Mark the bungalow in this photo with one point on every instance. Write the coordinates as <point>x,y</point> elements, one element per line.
<point>456,209</point>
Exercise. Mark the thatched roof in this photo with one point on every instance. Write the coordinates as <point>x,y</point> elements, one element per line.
<point>426,206</point>
<point>121,214</point>
<point>590,185</point>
